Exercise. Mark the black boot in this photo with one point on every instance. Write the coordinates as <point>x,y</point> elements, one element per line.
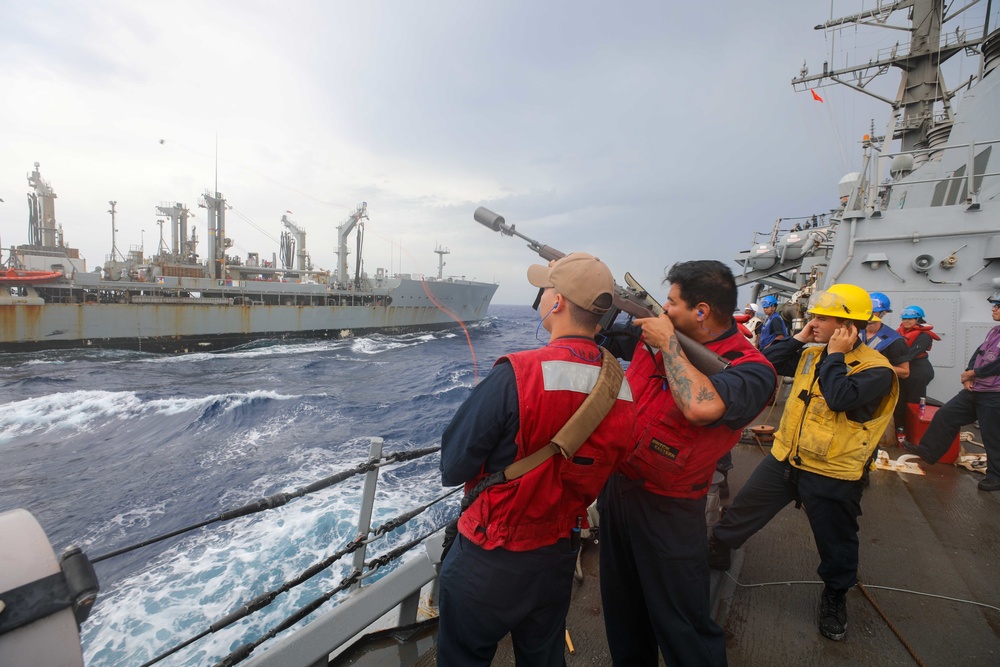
<point>989,484</point>
<point>911,448</point>
<point>719,555</point>
<point>833,614</point>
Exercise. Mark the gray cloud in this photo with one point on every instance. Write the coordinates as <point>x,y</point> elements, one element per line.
<point>644,132</point>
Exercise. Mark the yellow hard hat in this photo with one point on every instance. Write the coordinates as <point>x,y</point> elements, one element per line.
<point>842,300</point>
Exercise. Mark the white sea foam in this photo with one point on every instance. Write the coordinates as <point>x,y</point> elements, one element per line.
<point>287,349</point>
<point>44,362</point>
<point>78,410</point>
<point>372,346</point>
<point>121,525</point>
<point>208,575</point>
<point>243,443</point>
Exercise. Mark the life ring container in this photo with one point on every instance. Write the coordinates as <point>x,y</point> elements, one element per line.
<point>27,557</point>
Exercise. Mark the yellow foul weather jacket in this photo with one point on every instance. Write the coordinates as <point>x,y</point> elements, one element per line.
<point>813,437</point>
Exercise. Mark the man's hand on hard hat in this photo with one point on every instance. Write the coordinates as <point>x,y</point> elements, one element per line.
<point>843,339</point>
<point>806,335</point>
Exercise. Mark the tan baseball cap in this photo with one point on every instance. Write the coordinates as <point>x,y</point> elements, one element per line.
<point>580,277</point>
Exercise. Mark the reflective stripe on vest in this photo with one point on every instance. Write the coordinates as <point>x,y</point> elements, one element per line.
<point>573,376</point>
<point>882,338</point>
<point>544,505</point>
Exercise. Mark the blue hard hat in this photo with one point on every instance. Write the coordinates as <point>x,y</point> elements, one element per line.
<point>912,313</point>
<point>769,301</point>
<point>880,303</point>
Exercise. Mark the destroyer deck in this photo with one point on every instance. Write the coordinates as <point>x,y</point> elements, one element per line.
<point>935,534</point>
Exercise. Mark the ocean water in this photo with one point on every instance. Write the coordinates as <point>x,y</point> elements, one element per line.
<point>109,448</point>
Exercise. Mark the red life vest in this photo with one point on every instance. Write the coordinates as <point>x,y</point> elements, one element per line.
<point>673,456</point>
<point>910,335</point>
<point>544,505</point>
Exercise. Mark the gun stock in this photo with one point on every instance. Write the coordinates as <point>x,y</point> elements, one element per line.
<point>633,299</point>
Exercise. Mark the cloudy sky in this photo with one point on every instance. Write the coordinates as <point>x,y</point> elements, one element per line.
<point>643,132</point>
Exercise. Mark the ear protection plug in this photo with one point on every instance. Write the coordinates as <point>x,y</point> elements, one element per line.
<point>701,313</point>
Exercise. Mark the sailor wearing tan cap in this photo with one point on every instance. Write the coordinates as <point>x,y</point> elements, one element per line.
<point>511,567</point>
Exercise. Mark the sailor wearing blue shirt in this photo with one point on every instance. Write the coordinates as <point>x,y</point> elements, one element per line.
<point>882,338</point>
<point>774,328</point>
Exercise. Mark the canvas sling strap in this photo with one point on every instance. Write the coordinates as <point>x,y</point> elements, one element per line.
<point>567,441</point>
<point>584,421</point>
<point>571,436</point>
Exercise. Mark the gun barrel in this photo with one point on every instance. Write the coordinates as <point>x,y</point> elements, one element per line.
<point>631,302</point>
<point>485,216</point>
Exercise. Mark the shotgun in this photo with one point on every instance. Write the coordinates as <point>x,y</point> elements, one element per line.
<point>632,299</point>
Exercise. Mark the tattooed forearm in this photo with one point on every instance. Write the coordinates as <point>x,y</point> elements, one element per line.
<point>678,374</point>
<point>680,383</point>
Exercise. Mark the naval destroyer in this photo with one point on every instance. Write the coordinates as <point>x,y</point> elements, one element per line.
<point>178,301</point>
<point>920,222</point>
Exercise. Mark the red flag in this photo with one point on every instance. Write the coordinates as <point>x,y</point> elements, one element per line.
<point>816,95</point>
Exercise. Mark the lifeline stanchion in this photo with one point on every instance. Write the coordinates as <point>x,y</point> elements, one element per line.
<point>355,577</point>
<point>276,500</point>
<point>244,651</point>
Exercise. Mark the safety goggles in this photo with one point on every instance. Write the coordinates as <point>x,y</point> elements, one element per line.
<point>996,305</point>
<point>829,302</point>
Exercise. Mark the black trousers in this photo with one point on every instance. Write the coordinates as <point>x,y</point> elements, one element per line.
<point>832,506</point>
<point>655,578</point>
<point>965,408</point>
<point>487,593</point>
<point>913,388</point>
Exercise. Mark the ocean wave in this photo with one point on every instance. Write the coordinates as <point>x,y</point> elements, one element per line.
<point>77,411</point>
<point>150,443</point>
<point>37,381</point>
<point>211,573</point>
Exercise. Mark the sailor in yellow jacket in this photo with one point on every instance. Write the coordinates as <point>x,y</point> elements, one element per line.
<point>842,397</point>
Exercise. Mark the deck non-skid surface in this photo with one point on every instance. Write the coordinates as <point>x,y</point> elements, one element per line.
<point>936,535</point>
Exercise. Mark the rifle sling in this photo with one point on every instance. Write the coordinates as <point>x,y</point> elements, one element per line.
<point>584,421</point>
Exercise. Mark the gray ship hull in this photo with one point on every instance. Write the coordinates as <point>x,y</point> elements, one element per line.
<point>156,322</point>
<point>921,223</point>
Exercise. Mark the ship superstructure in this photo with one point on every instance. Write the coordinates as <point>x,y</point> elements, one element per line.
<point>920,221</point>
<point>178,301</point>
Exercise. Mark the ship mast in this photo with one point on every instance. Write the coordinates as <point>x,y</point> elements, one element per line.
<point>441,252</point>
<point>42,211</point>
<point>178,214</point>
<point>298,238</point>
<point>215,207</point>
<point>115,252</point>
<point>343,230</point>
<point>921,85</point>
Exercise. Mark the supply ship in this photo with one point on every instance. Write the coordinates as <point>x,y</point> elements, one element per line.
<point>178,301</point>
<point>920,223</point>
